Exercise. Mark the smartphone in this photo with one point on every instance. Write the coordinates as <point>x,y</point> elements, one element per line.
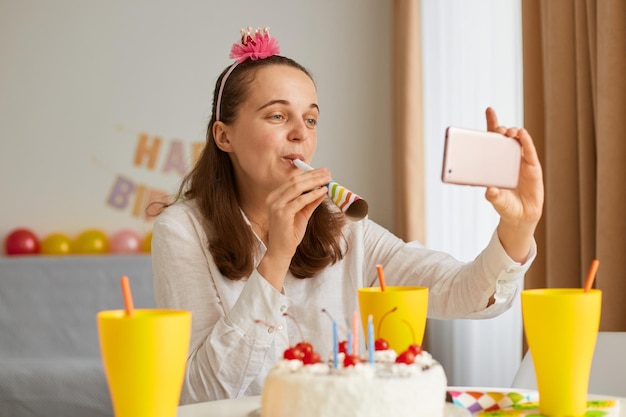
<point>474,157</point>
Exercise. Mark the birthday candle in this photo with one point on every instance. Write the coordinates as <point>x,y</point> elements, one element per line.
<point>370,337</point>
<point>335,346</point>
<point>355,332</point>
<point>349,347</point>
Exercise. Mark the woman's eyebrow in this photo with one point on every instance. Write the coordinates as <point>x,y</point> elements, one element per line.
<point>285,102</point>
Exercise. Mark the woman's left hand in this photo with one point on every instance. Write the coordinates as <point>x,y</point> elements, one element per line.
<point>520,209</point>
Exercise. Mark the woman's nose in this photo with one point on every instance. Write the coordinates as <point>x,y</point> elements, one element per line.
<point>299,131</point>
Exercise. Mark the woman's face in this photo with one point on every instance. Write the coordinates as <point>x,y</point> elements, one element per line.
<point>274,126</point>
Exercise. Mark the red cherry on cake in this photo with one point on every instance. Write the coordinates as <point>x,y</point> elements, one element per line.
<point>343,347</point>
<point>302,351</point>
<point>293,353</point>
<point>415,348</point>
<point>351,360</point>
<point>311,357</point>
<point>381,344</point>
<point>407,357</point>
<point>305,347</point>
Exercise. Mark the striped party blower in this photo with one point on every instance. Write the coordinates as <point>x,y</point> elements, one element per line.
<point>353,206</point>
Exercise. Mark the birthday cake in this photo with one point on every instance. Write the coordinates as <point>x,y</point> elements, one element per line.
<point>410,384</point>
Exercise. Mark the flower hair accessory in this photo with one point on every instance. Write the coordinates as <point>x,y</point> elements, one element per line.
<point>254,45</point>
<point>257,45</point>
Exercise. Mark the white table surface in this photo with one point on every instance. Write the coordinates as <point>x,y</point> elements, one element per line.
<point>250,406</point>
<point>240,407</point>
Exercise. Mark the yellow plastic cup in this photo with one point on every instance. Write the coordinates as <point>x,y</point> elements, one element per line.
<point>401,327</point>
<point>144,357</point>
<point>561,326</point>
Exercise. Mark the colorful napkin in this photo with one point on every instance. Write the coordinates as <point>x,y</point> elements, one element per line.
<point>519,404</point>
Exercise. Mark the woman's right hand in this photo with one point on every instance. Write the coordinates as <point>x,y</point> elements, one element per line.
<point>290,208</point>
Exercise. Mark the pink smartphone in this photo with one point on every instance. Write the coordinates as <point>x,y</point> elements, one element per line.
<point>474,157</point>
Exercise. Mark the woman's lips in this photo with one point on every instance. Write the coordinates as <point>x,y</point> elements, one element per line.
<point>290,158</point>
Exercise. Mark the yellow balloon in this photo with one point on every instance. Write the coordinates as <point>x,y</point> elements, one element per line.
<point>147,243</point>
<point>56,244</point>
<point>91,242</point>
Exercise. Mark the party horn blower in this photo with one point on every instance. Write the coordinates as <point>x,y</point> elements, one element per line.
<point>353,206</point>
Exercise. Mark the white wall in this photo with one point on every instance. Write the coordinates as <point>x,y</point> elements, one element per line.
<point>81,80</point>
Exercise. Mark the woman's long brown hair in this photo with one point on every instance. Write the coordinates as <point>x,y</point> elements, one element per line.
<point>212,185</point>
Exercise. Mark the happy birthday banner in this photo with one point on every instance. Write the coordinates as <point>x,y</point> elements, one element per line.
<point>127,194</point>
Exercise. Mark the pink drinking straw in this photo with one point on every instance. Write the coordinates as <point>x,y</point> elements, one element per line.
<point>381,277</point>
<point>592,274</point>
<point>128,297</point>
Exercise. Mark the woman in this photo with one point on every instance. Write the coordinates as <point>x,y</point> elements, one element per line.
<point>250,236</point>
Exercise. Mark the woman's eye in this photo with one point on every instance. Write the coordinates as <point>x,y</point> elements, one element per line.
<point>277,117</point>
<point>311,122</point>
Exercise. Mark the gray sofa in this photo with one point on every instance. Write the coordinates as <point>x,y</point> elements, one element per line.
<point>50,361</point>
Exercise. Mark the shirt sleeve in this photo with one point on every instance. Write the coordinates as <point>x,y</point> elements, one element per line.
<point>229,347</point>
<point>457,290</point>
<point>509,279</point>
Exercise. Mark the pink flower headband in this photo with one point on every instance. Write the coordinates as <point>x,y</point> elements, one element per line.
<point>254,45</point>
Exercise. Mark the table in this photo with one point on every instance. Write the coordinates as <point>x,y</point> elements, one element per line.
<point>250,406</point>
<point>240,407</point>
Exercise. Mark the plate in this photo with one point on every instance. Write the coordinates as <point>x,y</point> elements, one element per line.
<point>449,410</point>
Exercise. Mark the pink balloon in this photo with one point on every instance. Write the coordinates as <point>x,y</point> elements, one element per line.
<point>125,241</point>
<point>21,242</point>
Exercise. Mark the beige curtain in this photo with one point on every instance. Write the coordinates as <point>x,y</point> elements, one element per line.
<point>407,120</point>
<point>575,108</point>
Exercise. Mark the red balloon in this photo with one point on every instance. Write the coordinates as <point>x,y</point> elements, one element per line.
<point>21,242</point>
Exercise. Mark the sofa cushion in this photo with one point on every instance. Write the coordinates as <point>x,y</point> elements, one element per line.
<point>48,305</point>
<point>74,387</point>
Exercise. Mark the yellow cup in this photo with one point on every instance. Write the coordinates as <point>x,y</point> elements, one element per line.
<point>400,327</point>
<point>144,359</point>
<point>561,326</point>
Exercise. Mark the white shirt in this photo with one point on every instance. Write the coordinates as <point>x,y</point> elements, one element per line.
<point>238,328</point>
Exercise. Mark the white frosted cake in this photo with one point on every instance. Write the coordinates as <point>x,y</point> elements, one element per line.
<point>384,388</point>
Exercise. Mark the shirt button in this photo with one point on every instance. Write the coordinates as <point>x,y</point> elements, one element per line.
<point>271,329</point>
<point>283,309</point>
<point>280,327</point>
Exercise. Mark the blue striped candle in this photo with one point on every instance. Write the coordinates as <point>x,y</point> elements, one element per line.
<point>335,347</point>
<point>349,348</point>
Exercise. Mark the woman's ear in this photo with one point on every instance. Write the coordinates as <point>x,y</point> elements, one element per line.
<point>220,136</point>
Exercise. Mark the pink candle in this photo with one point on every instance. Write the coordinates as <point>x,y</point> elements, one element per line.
<point>355,333</point>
